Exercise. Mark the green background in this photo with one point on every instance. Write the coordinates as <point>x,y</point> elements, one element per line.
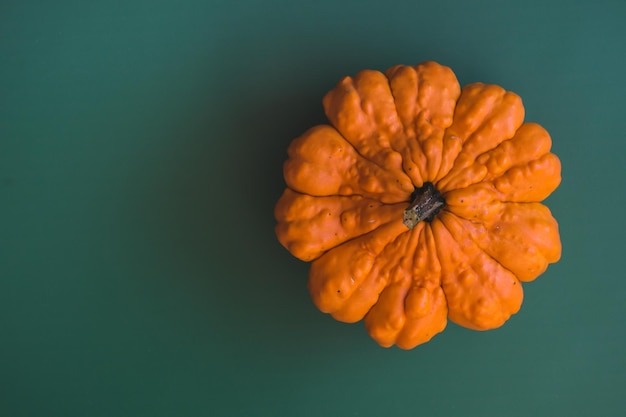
<point>141,145</point>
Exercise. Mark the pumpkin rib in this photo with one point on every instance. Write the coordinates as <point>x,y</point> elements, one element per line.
<point>432,158</point>
<point>499,219</point>
<point>540,177</point>
<point>385,320</point>
<point>412,310</point>
<point>310,226</point>
<point>321,163</point>
<point>463,134</point>
<point>334,275</point>
<point>405,133</point>
<point>483,136</point>
<point>478,242</point>
<point>529,143</point>
<point>381,164</point>
<point>426,114</point>
<point>392,269</point>
<point>531,161</point>
<point>343,113</point>
<point>418,328</point>
<point>530,258</point>
<point>410,140</point>
<point>522,277</point>
<point>486,305</point>
<point>359,153</point>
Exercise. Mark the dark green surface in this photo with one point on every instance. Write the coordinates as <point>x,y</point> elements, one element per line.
<point>141,145</point>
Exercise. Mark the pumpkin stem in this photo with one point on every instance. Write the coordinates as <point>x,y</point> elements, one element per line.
<point>426,202</point>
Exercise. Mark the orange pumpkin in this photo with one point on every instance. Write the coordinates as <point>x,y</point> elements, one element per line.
<point>420,202</point>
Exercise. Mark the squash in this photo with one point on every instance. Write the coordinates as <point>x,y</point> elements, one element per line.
<point>420,202</point>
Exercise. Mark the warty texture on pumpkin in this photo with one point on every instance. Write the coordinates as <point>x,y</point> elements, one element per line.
<point>420,202</point>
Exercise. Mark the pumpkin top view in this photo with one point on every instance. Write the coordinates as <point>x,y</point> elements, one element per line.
<point>420,202</point>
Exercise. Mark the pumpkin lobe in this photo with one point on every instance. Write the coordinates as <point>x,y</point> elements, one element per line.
<point>426,201</point>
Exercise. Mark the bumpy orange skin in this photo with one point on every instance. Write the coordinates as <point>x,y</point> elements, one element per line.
<point>349,183</point>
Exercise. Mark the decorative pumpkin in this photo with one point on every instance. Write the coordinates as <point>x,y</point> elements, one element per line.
<point>420,203</point>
